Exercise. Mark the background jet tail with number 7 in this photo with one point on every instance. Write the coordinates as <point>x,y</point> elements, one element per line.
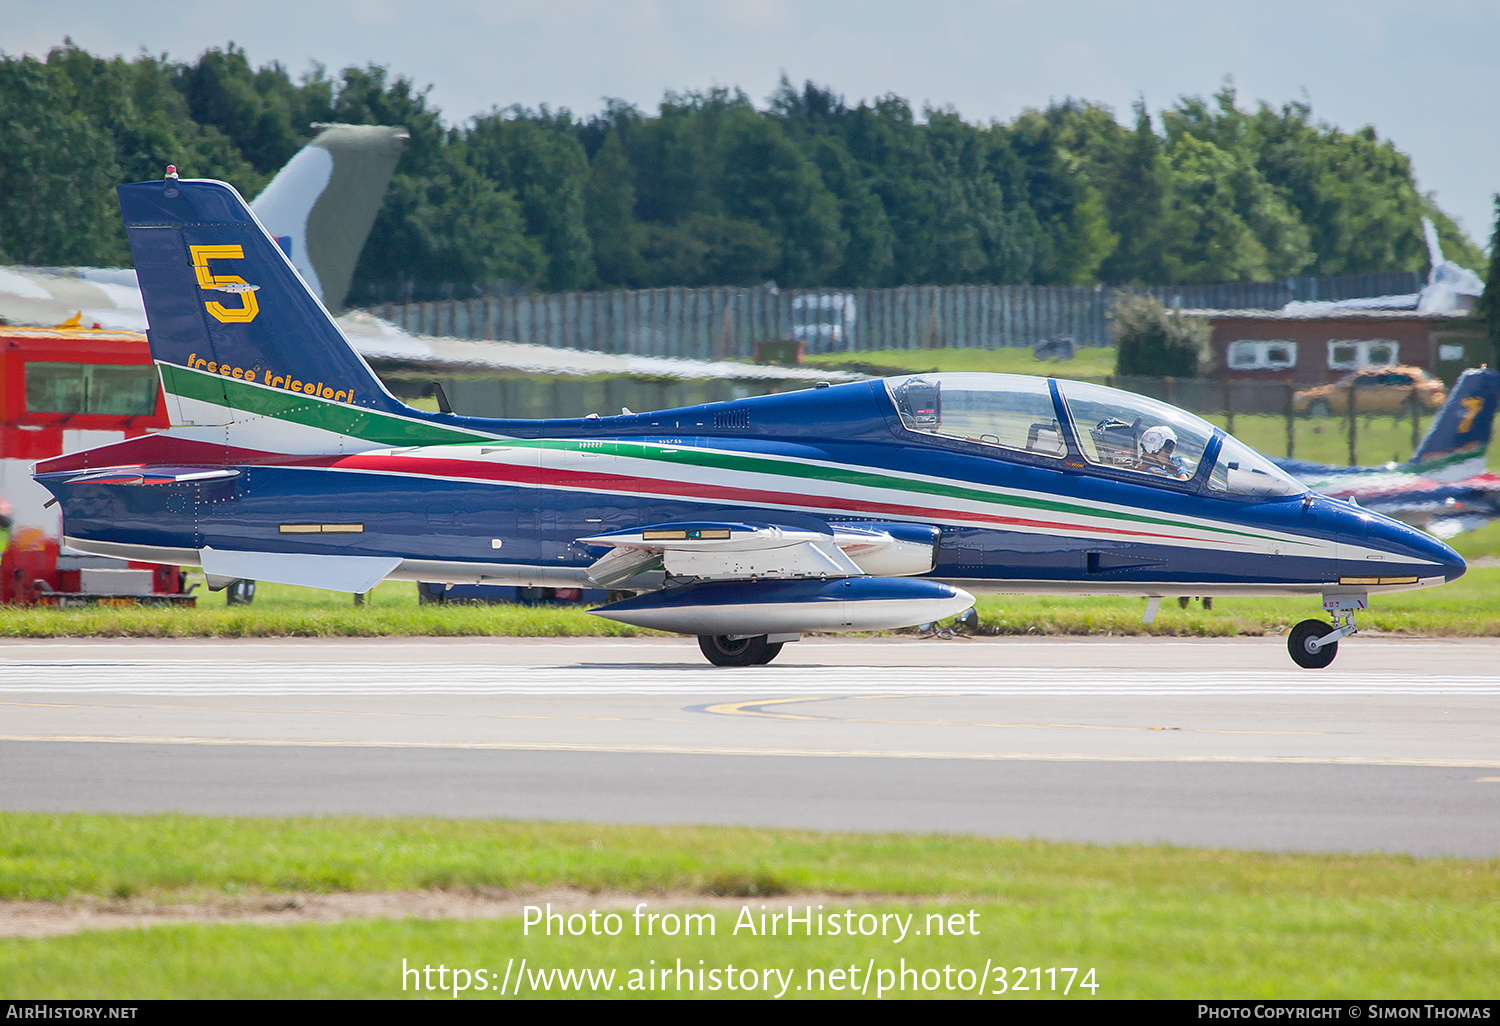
<point>1444,487</point>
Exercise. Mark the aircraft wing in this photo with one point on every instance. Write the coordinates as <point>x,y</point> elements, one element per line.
<point>781,580</point>
<point>731,550</point>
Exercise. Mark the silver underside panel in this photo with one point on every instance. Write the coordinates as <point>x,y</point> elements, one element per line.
<point>521,575</point>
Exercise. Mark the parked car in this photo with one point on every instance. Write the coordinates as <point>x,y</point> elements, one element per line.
<point>1376,390</point>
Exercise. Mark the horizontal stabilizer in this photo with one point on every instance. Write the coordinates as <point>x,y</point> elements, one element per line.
<point>356,574</point>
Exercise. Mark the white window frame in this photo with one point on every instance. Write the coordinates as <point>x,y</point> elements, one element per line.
<point>1255,354</point>
<point>1362,347</point>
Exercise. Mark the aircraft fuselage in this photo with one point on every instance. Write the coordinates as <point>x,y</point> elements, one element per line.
<point>511,509</point>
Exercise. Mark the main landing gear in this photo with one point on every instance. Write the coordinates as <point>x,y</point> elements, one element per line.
<point>723,650</point>
<point>1313,643</point>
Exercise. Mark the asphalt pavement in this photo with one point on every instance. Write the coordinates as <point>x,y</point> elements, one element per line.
<point>1220,742</point>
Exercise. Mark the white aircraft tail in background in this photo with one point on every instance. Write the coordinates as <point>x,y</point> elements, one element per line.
<point>320,208</point>
<point>1449,288</point>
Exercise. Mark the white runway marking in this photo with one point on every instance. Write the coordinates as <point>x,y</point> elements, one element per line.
<point>252,677</point>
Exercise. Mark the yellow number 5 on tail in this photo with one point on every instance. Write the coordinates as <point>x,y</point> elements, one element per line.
<point>225,283</point>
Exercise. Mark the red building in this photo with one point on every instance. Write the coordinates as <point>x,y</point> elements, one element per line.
<point>1312,348</point>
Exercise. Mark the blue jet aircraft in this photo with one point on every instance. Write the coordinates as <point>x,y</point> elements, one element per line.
<point>864,506</point>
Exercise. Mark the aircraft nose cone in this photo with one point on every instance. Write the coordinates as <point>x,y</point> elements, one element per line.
<point>1428,556</point>
<point>1454,566</point>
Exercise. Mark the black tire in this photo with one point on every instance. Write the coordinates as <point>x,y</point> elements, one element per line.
<point>240,593</point>
<point>720,650</point>
<point>1296,645</point>
<point>1318,408</point>
<point>769,651</point>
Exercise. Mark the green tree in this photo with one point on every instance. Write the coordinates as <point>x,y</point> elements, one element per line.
<point>870,250</point>
<point>1138,199</point>
<point>708,249</point>
<point>1067,204</point>
<point>442,221</point>
<point>763,178</point>
<point>609,212</point>
<point>449,225</point>
<point>537,157</point>
<point>261,113</point>
<point>1215,243</point>
<point>1151,342</point>
<point>57,173</point>
<point>1214,156</point>
<point>710,190</point>
<point>1354,193</point>
<point>137,105</point>
<point>1489,301</point>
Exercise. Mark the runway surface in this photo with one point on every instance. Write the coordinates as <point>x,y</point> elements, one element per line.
<point>1208,742</point>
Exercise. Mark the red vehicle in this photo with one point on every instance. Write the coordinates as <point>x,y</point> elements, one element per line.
<point>64,389</point>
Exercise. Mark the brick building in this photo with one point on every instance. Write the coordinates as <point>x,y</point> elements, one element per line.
<point>1314,347</point>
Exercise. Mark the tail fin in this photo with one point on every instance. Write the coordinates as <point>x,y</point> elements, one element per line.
<point>236,331</point>
<point>1456,442</point>
<point>325,201</point>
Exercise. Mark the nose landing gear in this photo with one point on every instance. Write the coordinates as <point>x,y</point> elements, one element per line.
<point>1312,644</point>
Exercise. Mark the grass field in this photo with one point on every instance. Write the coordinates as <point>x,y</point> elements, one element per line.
<point>1150,921</point>
<point>1467,608</point>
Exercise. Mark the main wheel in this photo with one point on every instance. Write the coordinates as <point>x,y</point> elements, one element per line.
<point>240,593</point>
<point>721,650</point>
<point>1308,659</point>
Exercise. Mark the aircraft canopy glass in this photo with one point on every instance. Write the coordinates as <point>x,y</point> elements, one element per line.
<point>1240,470</point>
<point>1118,430</point>
<point>1125,431</point>
<point>1008,410</point>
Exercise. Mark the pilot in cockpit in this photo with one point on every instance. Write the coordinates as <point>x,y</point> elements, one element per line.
<point>1158,453</point>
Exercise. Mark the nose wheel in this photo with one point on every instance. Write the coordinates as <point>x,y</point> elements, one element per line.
<point>1307,647</point>
<point>1312,644</point>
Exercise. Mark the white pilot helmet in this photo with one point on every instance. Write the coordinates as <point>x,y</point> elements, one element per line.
<point>1155,439</point>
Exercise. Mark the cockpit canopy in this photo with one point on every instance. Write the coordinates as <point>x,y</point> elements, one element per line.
<point>1116,430</point>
